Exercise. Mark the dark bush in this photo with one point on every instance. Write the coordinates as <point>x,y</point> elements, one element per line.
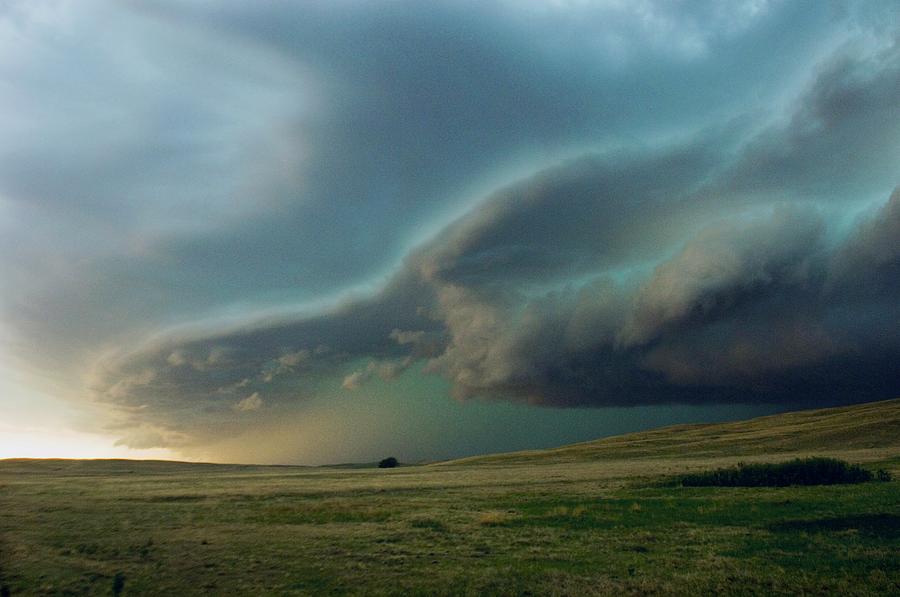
<point>882,475</point>
<point>801,471</point>
<point>389,462</point>
<point>118,584</point>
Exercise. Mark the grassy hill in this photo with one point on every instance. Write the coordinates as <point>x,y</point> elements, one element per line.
<point>874,426</point>
<point>595,518</point>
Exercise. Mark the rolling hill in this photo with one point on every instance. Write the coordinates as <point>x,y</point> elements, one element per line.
<point>870,426</point>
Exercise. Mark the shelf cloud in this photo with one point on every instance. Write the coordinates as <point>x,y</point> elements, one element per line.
<point>234,210</point>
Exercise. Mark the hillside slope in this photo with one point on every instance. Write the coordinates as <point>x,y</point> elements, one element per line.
<point>867,426</point>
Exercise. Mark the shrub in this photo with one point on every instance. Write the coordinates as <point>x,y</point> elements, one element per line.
<point>882,475</point>
<point>801,471</point>
<point>118,584</point>
<point>389,462</point>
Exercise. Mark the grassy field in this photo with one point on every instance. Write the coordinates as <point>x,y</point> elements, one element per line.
<point>595,518</point>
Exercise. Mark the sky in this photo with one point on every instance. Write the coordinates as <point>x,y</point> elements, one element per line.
<point>321,232</point>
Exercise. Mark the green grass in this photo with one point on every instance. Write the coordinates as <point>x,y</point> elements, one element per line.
<point>595,524</point>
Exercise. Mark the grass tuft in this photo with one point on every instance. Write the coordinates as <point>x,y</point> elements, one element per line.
<point>493,518</point>
<point>430,524</point>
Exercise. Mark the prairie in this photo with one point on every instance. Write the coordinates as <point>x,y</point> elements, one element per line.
<point>593,518</point>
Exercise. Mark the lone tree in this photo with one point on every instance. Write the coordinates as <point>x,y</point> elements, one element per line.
<point>389,462</point>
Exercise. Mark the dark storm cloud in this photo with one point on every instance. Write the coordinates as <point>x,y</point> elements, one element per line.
<point>745,311</point>
<point>866,266</point>
<point>842,138</point>
<point>750,307</point>
<point>753,306</point>
<point>185,157</point>
<point>676,228</point>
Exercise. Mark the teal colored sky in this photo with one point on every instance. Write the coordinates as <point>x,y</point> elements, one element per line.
<point>412,418</point>
<point>327,231</point>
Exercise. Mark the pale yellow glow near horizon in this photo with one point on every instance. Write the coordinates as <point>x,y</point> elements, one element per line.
<point>47,443</point>
<point>35,423</point>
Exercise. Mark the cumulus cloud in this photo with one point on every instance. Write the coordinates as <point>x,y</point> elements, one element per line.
<point>293,359</point>
<point>215,356</point>
<point>251,402</point>
<point>385,369</point>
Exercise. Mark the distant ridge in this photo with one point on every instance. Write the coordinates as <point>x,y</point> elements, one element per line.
<point>872,425</point>
<point>869,426</point>
<point>121,466</point>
